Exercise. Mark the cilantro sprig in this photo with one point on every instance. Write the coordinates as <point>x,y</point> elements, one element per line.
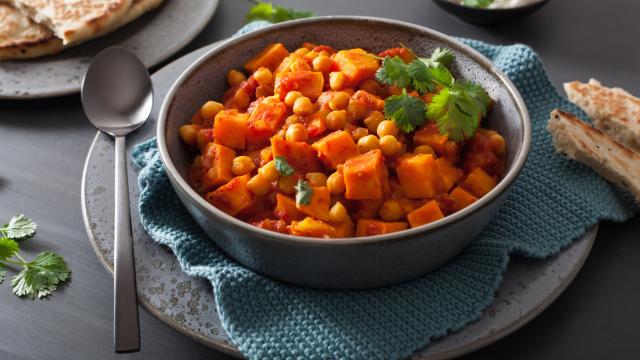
<point>38,277</point>
<point>477,3</point>
<point>266,11</point>
<point>283,166</point>
<point>456,109</point>
<point>304,192</point>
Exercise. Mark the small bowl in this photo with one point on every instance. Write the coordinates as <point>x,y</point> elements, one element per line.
<point>481,16</point>
<point>348,263</point>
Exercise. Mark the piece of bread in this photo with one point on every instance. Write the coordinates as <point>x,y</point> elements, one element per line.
<point>612,110</point>
<point>74,21</point>
<point>581,142</point>
<point>21,38</point>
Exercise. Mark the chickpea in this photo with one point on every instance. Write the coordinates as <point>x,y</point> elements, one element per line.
<point>424,149</point>
<point>297,132</point>
<point>359,133</point>
<point>337,213</point>
<point>335,183</point>
<point>189,134</point>
<point>291,98</point>
<point>303,106</point>
<point>259,185</point>
<point>241,98</point>
<point>373,120</point>
<point>269,171</point>
<point>391,210</point>
<point>371,86</point>
<point>242,165</point>
<point>336,120</point>
<point>235,77</point>
<point>322,63</point>
<point>317,179</point>
<point>357,110</point>
<point>212,174</point>
<point>497,143</point>
<point>368,143</point>
<point>387,127</point>
<point>210,109</point>
<point>337,80</point>
<point>339,101</point>
<point>263,76</point>
<point>264,91</point>
<point>390,145</point>
<point>287,184</point>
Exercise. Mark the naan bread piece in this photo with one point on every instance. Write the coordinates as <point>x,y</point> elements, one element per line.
<point>138,8</point>
<point>592,147</point>
<point>21,38</point>
<point>612,110</point>
<point>75,21</point>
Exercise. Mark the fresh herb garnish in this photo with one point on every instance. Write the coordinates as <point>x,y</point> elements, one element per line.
<point>456,109</point>
<point>283,166</point>
<point>406,111</point>
<point>477,3</point>
<point>38,277</point>
<point>273,13</point>
<point>304,192</point>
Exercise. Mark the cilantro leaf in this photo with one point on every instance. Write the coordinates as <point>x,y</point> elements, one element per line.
<point>458,109</point>
<point>477,3</point>
<point>8,248</point>
<point>304,192</point>
<point>424,78</point>
<point>19,228</point>
<point>393,72</point>
<point>406,111</point>
<point>273,13</point>
<point>441,56</point>
<point>283,166</point>
<point>41,276</point>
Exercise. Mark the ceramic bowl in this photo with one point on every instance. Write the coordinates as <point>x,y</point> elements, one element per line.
<point>351,263</point>
<point>481,16</point>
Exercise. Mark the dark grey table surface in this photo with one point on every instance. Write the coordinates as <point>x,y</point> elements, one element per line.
<point>43,145</point>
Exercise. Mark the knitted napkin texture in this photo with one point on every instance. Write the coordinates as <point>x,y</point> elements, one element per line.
<point>552,203</point>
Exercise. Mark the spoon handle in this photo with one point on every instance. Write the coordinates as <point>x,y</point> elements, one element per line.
<point>126,330</point>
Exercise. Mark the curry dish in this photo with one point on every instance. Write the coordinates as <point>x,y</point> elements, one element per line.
<point>315,142</point>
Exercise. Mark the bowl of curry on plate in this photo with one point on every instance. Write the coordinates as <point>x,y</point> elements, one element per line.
<point>343,152</point>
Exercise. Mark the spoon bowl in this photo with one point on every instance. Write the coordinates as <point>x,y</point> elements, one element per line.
<point>117,97</point>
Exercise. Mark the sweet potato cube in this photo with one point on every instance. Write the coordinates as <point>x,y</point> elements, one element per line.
<point>309,83</point>
<point>478,182</point>
<point>365,176</point>
<point>299,154</point>
<point>230,128</point>
<point>450,174</point>
<point>344,229</point>
<point>265,120</point>
<point>270,57</point>
<point>286,209</point>
<point>419,176</point>
<point>425,214</point>
<point>220,158</point>
<point>312,227</point>
<point>461,198</point>
<point>336,148</point>
<point>233,196</point>
<point>318,207</point>
<point>368,227</point>
<point>430,135</point>
<point>357,64</point>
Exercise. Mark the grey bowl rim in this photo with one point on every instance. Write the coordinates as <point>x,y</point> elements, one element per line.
<point>503,185</point>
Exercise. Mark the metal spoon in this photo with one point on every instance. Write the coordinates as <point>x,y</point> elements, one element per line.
<point>117,97</point>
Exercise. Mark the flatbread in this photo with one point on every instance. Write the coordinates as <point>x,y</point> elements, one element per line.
<point>21,38</point>
<point>613,110</point>
<point>74,21</point>
<point>592,147</point>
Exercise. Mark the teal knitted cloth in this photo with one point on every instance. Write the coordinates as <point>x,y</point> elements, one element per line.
<point>551,204</point>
